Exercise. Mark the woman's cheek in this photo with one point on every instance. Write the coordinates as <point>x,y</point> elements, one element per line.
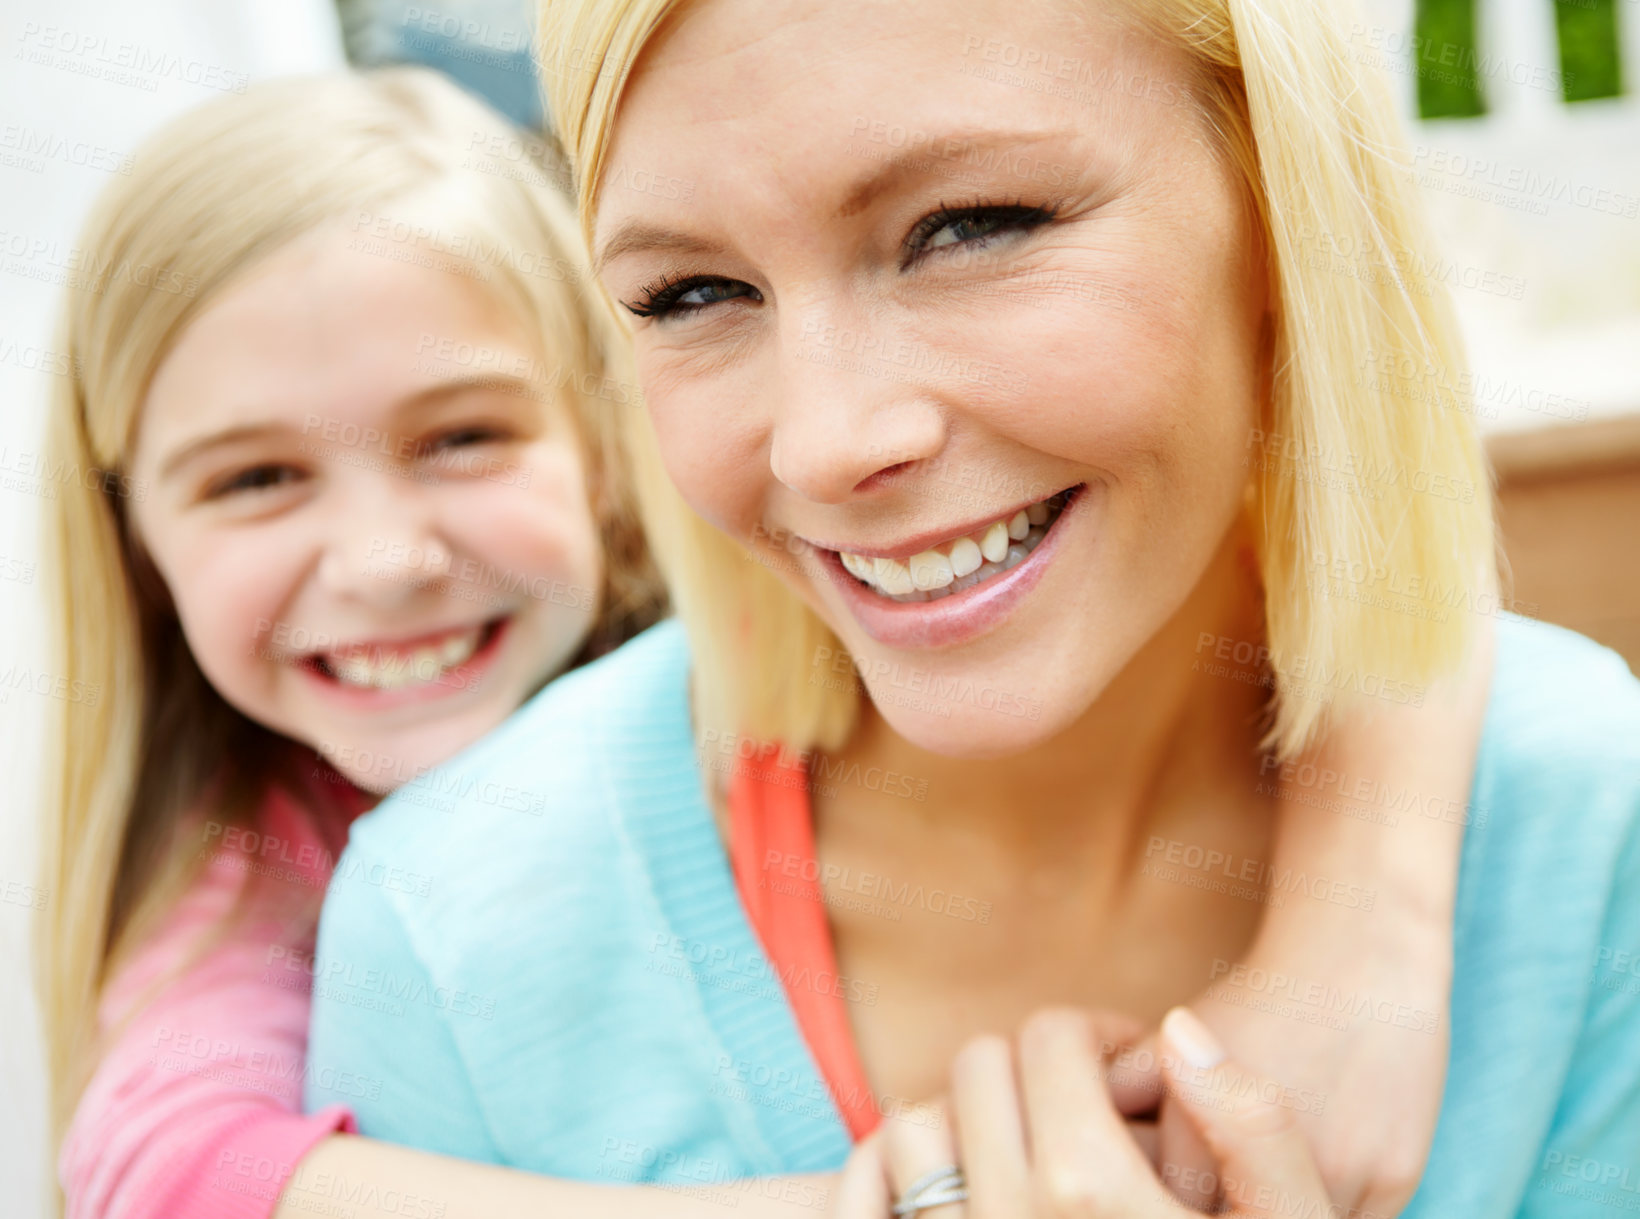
<point>714,447</point>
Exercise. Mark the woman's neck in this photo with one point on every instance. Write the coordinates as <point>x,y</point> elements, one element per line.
<point>1057,861</point>
<point>1161,731</point>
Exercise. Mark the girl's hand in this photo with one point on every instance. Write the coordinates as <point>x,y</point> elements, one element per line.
<point>1367,1094</point>
<point>1040,1136</point>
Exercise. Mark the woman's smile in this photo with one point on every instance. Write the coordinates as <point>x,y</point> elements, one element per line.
<point>959,588</point>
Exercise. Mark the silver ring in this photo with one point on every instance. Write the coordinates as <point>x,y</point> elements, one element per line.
<point>937,1188</point>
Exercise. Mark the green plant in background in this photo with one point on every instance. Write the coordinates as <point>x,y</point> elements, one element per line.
<point>1589,64</point>
<point>1445,55</point>
<point>1444,60</point>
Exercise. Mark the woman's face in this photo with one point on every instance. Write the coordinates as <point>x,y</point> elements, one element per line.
<point>377,537</point>
<point>924,278</point>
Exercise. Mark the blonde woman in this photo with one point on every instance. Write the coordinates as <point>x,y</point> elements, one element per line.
<point>1033,511</point>
<point>343,491</point>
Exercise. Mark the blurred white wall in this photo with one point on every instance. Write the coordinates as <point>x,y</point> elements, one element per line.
<point>83,82</point>
<point>1537,207</point>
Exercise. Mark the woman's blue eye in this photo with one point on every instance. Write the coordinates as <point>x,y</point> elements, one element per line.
<point>957,231</point>
<point>683,295</point>
<point>963,226</point>
<point>944,228</point>
<point>253,478</point>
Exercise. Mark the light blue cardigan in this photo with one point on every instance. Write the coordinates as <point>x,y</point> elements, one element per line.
<point>578,992</point>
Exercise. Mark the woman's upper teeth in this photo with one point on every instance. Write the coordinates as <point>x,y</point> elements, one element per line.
<point>959,561</point>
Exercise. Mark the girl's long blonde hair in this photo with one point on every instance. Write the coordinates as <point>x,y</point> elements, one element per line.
<point>150,743</point>
<point>1367,376</point>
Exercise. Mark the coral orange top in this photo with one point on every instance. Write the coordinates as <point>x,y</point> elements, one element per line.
<point>771,834</point>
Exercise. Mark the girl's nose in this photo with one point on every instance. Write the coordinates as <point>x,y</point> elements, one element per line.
<point>383,554</point>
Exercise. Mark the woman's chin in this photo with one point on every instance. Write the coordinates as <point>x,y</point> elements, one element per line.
<point>963,727</point>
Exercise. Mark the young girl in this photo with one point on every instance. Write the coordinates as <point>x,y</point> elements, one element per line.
<point>353,495</point>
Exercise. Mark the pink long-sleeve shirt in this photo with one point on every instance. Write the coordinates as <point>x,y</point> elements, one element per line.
<point>194,1111</point>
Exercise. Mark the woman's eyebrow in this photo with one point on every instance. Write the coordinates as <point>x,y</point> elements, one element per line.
<point>638,237</point>
<point>922,154</point>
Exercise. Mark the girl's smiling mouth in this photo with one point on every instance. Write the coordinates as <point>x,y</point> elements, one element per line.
<point>379,672</point>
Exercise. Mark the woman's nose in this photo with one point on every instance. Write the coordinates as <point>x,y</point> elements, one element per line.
<point>848,408</point>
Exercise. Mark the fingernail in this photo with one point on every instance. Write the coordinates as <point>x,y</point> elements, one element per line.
<point>1191,1037</point>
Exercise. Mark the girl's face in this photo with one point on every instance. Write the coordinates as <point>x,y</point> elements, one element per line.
<point>954,318</point>
<point>368,506</point>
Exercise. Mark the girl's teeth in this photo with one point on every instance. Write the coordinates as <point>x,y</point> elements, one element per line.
<point>1037,514</point>
<point>355,672</point>
<point>965,558</point>
<point>394,671</point>
<point>994,545</point>
<point>426,663</point>
<point>1019,526</point>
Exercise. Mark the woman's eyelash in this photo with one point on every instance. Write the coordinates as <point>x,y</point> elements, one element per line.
<point>665,297</point>
<point>995,216</point>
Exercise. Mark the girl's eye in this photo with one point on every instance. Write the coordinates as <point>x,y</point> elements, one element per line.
<point>971,226</point>
<point>677,296</point>
<point>463,437</point>
<point>252,479</point>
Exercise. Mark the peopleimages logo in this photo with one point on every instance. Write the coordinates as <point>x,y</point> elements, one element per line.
<point>1220,871</point>
<point>1288,994</point>
<point>874,886</point>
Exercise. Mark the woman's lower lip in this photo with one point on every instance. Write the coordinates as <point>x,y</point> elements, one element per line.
<point>449,683</point>
<point>959,617</point>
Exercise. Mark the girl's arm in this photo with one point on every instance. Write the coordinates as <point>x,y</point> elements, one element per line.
<point>376,1180</point>
<point>1374,818</point>
<point>194,1111</point>
<point>201,1078</point>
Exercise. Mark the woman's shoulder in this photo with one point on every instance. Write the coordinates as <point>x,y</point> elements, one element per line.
<point>1551,853</point>
<point>556,754</point>
<point>1548,900</point>
<point>1563,719</point>
<point>558,801</point>
<point>641,684</point>
<point>1556,796</point>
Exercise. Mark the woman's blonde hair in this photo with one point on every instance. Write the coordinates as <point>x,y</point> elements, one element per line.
<point>207,197</point>
<point>1360,298</point>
